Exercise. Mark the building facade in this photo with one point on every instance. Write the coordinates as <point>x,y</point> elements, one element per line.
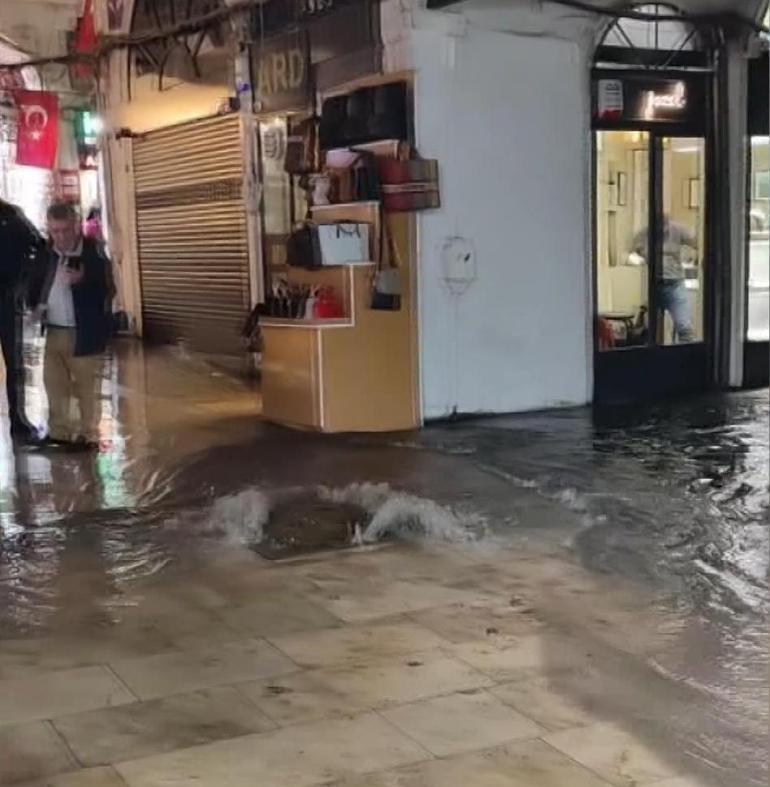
<point>566,142</point>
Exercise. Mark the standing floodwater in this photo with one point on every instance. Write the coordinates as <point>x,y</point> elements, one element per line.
<point>147,547</point>
<point>674,497</point>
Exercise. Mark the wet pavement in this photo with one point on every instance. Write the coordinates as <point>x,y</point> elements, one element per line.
<point>570,599</point>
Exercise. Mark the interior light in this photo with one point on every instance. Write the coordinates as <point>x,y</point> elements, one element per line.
<point>760,141</point>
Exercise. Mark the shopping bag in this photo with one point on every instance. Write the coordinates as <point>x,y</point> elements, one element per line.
<point>343,243</point>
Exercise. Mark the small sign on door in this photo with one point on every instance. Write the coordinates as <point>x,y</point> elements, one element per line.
<point>610,99</point>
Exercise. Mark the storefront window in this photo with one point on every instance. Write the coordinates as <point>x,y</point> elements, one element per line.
<point>622,213</point>
<point>680,281</point>
<point>758,323</point>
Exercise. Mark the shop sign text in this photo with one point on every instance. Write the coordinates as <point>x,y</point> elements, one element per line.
<point>282,75</point>
<point>676,100</point>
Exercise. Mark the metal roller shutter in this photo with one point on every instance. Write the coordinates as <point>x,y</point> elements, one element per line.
<point>192,234</point>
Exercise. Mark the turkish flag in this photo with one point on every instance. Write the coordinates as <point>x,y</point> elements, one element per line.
<point>38,135</point>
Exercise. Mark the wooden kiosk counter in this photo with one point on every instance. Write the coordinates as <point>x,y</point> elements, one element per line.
<point>357,373</point>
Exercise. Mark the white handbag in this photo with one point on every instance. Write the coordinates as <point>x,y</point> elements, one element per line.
<point>343,243</point>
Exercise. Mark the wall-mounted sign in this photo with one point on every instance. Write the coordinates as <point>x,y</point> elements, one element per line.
<point>649,99</point>
<point>342,40</point>
<point>282,73</point>
<point>87,127</point>
<point>674,98</point>
<point>610,99</point>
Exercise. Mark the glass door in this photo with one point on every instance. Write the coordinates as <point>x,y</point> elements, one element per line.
<point>622,238</point>
<point>650,240</point>
<point>679,277</point>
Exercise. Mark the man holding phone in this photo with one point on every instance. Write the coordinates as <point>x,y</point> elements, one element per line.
<point>72,294</point>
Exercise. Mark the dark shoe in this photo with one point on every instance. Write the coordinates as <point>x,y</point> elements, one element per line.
<point>24,433</point>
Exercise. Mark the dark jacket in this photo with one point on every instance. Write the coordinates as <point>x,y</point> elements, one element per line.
<point>91,297</point>
<point>20,243</point>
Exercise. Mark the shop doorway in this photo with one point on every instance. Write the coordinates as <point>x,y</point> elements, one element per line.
<point>652,183</point>
<point>651,264</point>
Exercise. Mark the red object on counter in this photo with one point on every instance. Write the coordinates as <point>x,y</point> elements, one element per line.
<point>605,335</point>
<point>327,306</point>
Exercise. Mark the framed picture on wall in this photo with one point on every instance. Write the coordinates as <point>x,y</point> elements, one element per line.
<point>612,189</point>
<point>622,187</point>
<point>693,193</point>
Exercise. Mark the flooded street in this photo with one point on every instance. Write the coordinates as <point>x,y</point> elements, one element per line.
<point>589,590</point>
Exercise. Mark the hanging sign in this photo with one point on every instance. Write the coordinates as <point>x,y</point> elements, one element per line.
<point>344,36</point>
<point>282,71</point>
<point>38,133</point>
<point>66,185</point>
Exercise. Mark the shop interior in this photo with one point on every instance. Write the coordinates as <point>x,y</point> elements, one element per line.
<point>625,187</point>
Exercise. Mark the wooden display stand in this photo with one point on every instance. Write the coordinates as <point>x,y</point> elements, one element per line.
<point>357,373</point>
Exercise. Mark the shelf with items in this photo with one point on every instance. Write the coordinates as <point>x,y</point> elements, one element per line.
<point>357,372</point>
<point>344,280</point>
<point>333,376</point>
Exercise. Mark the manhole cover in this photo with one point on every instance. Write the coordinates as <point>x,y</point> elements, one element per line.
<point>304,525</point>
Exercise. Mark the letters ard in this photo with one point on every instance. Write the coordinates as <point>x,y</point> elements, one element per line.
<point>282,72</point>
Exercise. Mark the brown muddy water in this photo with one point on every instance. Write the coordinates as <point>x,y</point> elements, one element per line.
<point>670,499</point>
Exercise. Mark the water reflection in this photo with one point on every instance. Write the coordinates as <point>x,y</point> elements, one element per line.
<point>74,520</point>
<point>676,497</point>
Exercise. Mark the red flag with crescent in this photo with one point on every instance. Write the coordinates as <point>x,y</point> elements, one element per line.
<point>38,134</point>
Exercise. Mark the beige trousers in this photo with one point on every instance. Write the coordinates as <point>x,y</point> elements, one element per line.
<point>66,378</point>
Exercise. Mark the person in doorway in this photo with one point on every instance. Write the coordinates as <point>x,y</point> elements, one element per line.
<point>92,228</point>
<point>670,289</point>
<point>72,294</point>
<point>20,245</point>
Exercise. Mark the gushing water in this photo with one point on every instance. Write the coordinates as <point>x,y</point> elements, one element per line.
<point>241,518</point>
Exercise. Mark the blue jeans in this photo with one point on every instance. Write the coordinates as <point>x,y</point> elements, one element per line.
<point>672,298</point>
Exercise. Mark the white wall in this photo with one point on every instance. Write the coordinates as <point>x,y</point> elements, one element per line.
<point>507,117</point>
